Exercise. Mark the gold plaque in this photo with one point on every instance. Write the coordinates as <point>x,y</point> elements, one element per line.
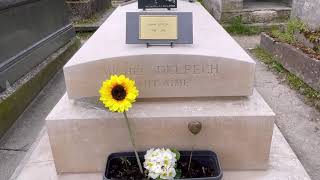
<point>158,27</point>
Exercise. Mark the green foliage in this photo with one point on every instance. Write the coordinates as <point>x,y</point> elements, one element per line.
<point>287,35</point>
<point>90,20</point>
<point>295,25</point>
<point>178,174</point>
<point>238,27</point>
<point>313,37</point>
<point>268,59</point>
<point>282,36</point>
<point>293,81</point>
<point>84,35</point>
<point>177,153</point>
<point>317,49</point>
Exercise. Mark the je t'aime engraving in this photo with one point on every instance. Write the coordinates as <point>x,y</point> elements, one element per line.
<point>162,71</point>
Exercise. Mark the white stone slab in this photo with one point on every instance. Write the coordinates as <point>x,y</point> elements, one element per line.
<point>283,165</point>
<point>239,129</point>
<point>215,62</point>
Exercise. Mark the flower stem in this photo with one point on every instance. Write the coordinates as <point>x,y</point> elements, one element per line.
<point>190,160</point>
<point>132,142</point>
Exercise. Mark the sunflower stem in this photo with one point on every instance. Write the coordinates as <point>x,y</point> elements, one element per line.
<point>190,159</point>
<point>132,142</point>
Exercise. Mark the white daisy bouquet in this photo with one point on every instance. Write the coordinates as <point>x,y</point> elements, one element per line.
<point>161,163</point>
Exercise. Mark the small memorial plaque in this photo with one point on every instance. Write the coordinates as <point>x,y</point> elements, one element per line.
<point>148,4</point>
<point>158,27</point>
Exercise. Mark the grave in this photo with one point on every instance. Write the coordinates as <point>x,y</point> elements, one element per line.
<point>210,81</point>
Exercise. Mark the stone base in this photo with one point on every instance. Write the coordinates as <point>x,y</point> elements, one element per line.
<point>239,129</point>
<point>283,165</point>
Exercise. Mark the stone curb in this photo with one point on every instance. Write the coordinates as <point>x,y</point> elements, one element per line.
<point>16,98</point>
<point>294,60</point>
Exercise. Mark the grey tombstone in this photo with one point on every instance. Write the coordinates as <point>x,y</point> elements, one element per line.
<point>30,31</point>
<point>308,12</point>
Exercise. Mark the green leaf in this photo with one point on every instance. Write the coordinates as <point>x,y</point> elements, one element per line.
<point>178,174</point>
<point>177,153</point>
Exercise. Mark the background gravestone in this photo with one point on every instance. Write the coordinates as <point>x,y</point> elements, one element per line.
<point>308,11</point>
<point>214,7</point>
<point>80,9</point>
<point>30,31</point>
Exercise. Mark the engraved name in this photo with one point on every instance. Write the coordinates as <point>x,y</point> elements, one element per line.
<point>210,69</point>
<point>164,69</point>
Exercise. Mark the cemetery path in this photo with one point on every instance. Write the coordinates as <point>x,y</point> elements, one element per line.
<point>298,122</point>
<point>18,141</point>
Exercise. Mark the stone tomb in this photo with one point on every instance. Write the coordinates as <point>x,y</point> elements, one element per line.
<point>238,127</point>
<point>215,62</point>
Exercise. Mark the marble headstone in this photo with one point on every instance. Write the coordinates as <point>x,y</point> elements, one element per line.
<point>214,65</point>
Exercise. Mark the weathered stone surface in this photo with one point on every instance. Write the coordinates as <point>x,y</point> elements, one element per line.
<point>283,164</point>
<point>307,11</point>
<point>239,129</point>
<point>232,4</point>
<point>214,62</point>
<point>294,60</point>
<point>258,15</point>
<point>80,9</point>
<point>16,99</point>
<point>30,31</point>
<point>214,7</point>
<point>301,38</point>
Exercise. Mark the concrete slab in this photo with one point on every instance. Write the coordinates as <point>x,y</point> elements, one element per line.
<point>283,165</point>
<point>17,142</point>
<point>9,159</point>
<point>231,127</point>
<point>26,129</point>
<point>248,42</point>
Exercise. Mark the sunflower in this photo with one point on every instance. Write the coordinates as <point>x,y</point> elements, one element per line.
<point>118,93</point>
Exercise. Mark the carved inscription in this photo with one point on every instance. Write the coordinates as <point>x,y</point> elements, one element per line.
<point>186,69</point>
<point>163,71</point>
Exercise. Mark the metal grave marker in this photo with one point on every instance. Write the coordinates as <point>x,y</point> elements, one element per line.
<point>159,28</point>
